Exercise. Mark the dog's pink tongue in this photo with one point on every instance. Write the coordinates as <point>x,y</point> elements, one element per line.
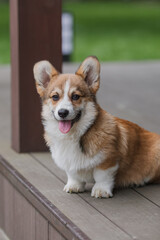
<point>64,126</point>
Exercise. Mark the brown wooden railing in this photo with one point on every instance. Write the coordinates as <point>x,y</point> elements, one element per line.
<point>35,35</point>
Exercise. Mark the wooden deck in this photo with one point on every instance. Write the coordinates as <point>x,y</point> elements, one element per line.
<point>32,203</point>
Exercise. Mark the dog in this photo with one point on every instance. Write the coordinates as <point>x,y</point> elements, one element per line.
<point>88,143</point>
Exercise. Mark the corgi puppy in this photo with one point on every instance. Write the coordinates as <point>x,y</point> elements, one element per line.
<point>88,143</point>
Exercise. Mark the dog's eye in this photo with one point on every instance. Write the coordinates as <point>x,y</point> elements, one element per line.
<point>55,97</point>
<point>75,97</point>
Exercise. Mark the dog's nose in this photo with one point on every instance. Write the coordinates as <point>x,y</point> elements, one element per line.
<point>63,113</point>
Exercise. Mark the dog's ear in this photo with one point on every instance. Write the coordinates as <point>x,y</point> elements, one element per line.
<point>43,72</point>
<point>90,71</point>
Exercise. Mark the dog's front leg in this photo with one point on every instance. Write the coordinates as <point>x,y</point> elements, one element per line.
<point>104,182</point>
<point>74,184</point>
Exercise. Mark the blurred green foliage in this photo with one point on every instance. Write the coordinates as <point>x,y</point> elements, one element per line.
<point>4,33</point>
<point>113,31</point>
<point>116,31</point>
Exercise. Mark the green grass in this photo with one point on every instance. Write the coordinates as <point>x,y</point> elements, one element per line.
<point>111,31</point>
<point>116,31</point>
<point>4,33</point>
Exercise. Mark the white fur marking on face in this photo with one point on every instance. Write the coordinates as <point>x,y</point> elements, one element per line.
<point>65,103</point>
<point>66,90</point>
<point>104,182</point>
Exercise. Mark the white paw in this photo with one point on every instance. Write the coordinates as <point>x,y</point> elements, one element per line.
<point>101,191</point>
<point>74,188</point>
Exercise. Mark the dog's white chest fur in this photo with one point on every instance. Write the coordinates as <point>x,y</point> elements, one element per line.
<point>68,155</point>
<point>65,148</point>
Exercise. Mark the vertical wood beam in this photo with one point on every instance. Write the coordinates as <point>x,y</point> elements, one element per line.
<point>35,28</point>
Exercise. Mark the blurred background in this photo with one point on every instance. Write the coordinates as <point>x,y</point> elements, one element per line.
<point>121,30</point>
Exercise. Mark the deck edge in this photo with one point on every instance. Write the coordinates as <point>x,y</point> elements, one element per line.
<point>40,202</point>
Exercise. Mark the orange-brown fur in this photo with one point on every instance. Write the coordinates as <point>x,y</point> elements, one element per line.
<point>136,150</point>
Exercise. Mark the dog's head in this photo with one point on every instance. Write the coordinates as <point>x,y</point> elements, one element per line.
<point>68,99</point>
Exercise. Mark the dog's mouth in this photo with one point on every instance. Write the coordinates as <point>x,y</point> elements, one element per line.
<point>66,125</point>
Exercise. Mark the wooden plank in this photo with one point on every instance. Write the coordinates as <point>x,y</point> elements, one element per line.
<point>24,219</point>
<point>18,214</point>
<point>1,202</point>
<point>130,91</point>
<point>41,227</point>
<point>46,160</point>
<point>35,36</point>
<point>72,206</point>
<point>151,192</point>
<point>8,205</point>
<point>53,234</point>
<point>40,202</point>
<point>131,212</point>
<point>126,204</point>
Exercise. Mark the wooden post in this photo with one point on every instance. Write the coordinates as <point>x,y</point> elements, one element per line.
<point>35,35</point>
